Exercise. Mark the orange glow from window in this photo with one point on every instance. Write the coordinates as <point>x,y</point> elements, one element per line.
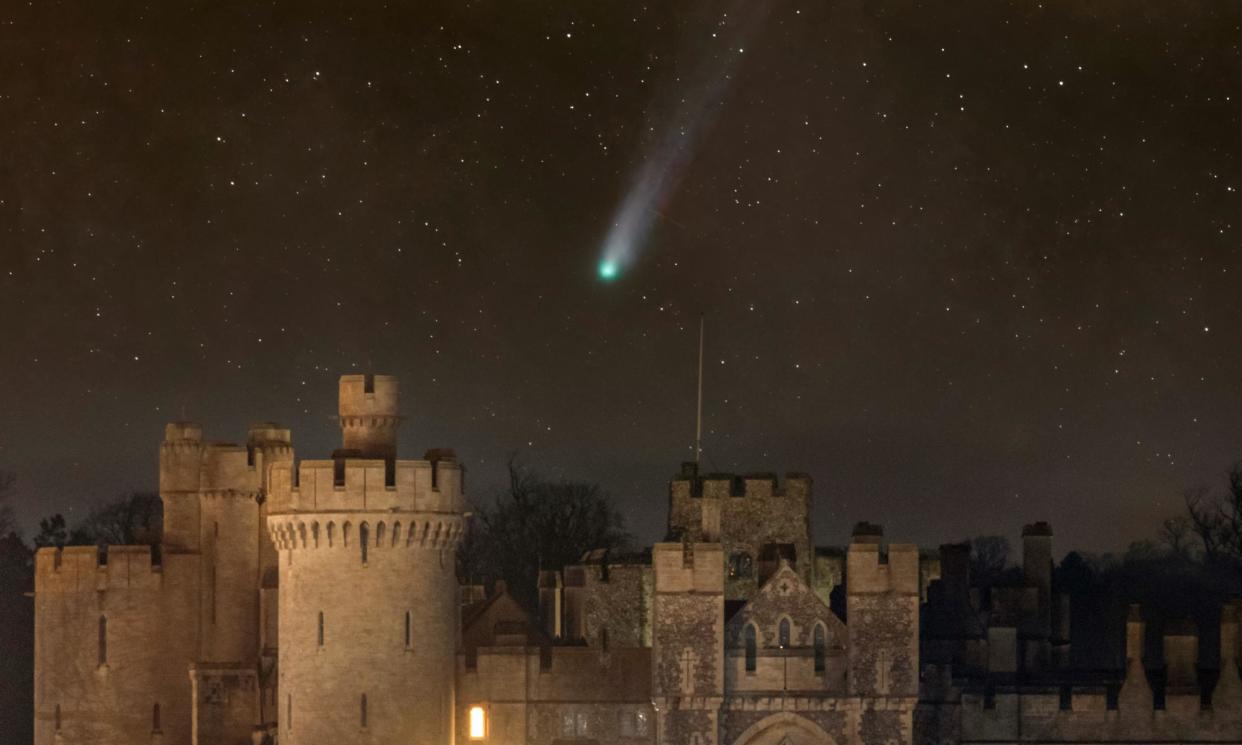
<point>478,723</point>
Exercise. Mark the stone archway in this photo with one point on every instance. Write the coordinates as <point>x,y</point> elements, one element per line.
<point>785,728</point>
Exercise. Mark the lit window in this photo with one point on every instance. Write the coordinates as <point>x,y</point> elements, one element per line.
<point>478,723</point>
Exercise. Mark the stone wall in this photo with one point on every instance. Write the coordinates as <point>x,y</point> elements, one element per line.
<point>753,513</point>
<point>529,693</point>
<point>408,687</point>
<point>617,598</point>
<point>150,620</point>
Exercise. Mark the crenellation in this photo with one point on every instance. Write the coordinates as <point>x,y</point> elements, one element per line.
<point>358,484</point>
<point>80,569</point>
<point>319,598</point>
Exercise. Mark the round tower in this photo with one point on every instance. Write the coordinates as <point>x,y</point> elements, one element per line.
<point>368,593</point>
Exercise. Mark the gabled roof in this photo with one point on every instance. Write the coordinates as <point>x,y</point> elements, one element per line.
<point>784,594</point>
<point>499,614</point>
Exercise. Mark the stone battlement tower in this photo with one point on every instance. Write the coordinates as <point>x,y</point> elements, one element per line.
<point>368,592</point>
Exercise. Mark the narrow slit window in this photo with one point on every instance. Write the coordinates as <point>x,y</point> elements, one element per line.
<point>409,630</point>
<point>783,634</point>
<point>364,537</point>
<point>820,645</point>
<point>155,718</point>
<point>289,711</point>
<point>103,640</point>
<point>56,718</point>
<point>752,651</point>
<point>321,628</point>
<point>362,712</point>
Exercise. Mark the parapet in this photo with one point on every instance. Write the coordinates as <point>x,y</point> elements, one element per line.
<point>183,432</point>
<point>190,465</point>
<point>358,484</point>
<point>268,434</point>
<point>869,571</point>
<point>688,567</point>
<point>367,396</point>
<point>1039,528</point>
<point>92,568</point>
<point>689,484</point>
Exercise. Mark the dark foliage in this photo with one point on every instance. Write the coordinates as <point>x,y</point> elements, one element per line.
<point>130,520</point>
<point>534,525</point>
<point>16,625</point>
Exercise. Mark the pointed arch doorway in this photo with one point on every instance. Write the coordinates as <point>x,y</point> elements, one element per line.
<point>785,728</point>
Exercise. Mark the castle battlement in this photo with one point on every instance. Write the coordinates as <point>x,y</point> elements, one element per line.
<point>797,486</point>
<point>872,571</point>
<point>89,568</point>
<point>688,567</point>
<point>359,484</point>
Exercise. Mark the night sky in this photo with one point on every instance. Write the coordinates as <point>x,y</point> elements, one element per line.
<point>970,264</point>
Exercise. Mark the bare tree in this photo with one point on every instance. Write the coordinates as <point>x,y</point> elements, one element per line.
<point>1217,522</point>
<point>537,524</point>
<point>989,556</point>
<point>1177,534</point>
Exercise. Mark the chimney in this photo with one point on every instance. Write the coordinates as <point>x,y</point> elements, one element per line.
<point>1037,571</point>
<point>550,602</point>
<point>955,571</point>
<point>868,533</point>
<point>1181,657</point>
<point>1135,694</point>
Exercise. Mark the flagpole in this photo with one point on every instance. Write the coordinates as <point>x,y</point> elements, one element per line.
<point>698,424</point>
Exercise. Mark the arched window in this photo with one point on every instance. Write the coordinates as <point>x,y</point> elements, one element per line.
<point>345,535</point>
<point>821,642</point>
<point>364,535</point>
<point>103,640</point>
<point>321,628</point>
<point>396,533</point>
<point>740,565</point>
<point>331,533</point>
<point>752,650</point>
<point>379,535</point>
<point>315,533</point>
<point>155,719</point>
<point>362,711</point>
<point>782,636</point>
<point>409,631</point>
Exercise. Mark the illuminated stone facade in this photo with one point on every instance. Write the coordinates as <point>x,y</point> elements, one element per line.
<point>315,603</point>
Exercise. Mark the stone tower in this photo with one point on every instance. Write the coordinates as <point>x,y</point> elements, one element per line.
<point>368,593</point>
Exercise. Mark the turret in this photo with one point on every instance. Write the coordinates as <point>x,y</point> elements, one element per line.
<point>367,582</point>
<point>882,610</point>
<point>369,415</point>
<point>181,460</point>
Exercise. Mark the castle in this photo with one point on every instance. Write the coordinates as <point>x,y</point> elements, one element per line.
<point>316,602</point>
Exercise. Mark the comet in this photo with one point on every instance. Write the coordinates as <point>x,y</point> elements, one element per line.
<point>665,159</point>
